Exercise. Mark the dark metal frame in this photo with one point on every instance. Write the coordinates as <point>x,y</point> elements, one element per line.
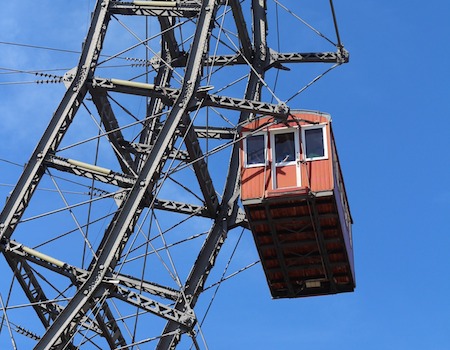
<point>140,174</point>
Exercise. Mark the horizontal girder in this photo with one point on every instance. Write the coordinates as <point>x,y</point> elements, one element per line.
<point>119,282</point>
<point>204,99</point>
<point>309,57</point>
<point>275,59</point>
<point>124,181</point>
<point>156,8</point>
<point>90,171</point>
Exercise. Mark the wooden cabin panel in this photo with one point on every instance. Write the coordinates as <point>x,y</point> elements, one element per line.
<point>318,175</point>
<point>297,118</point>
<point>315,175</point>
<point>258,124</point>
<point>286,178</point>
<point>254,182</point>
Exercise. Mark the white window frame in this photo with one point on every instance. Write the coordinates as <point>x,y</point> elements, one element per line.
<point>274,132</point>
<point>295,162</point>
<point>324,137</point>
<point>246,135</point>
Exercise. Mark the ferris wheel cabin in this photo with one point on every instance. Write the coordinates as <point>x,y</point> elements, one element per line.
<point>294,198</point>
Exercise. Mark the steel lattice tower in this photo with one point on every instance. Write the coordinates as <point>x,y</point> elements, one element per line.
<point>144,161</point>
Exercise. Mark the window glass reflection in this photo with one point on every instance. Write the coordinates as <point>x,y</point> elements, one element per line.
<point>255,150</point>
<point>284,148</point>
<point>314,143</point>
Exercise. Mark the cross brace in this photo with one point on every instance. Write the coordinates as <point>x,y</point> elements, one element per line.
<point>115,284</point>
<point>204,99</point>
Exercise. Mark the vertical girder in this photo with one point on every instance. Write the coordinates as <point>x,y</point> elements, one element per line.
<point>117,232</point>
<point>201,168</point>
<point>247,48</point>
<point>100,99</point>
<point>228,208</point>
<point>155,105</point>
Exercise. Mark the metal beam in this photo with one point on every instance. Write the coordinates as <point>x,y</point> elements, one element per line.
<point>179,207</point>
<point>62,118</point>
<point>215,133</point>
<point>112,128</point>
<point>45,310</point>
<point>156,8</point>
<point>123,181</point>
<point>177,154</point>
<point>276,58</point>
<point>184,319</point>
<point>210,132</point>
<point>169,95</point>
<point>123,223</point>
<point>169,49</point>
<point>229,208</point>
<point>53,135</point>
<point>322,244</point>
<point>308,57</point>
<point>246,44</point>
<point>107,326</point>
<point>78,276</point>
<point>276,243</point>
<point>240,220</point>
<point>200,168</point>
<point>18,255</point>
<point>147,287</point>
<point>247,105</point>
<point>90,171</point>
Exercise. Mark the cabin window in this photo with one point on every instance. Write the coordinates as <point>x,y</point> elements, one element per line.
<point>284,148</point>
<point>255,150</point>
<point>314,140</point>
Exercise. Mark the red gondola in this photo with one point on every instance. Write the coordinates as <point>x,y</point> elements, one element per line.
<point>294,197</point>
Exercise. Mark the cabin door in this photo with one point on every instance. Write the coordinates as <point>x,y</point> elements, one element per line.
<point>286,158</point>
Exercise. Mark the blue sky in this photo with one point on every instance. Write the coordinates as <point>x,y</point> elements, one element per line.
<point>390,108</point>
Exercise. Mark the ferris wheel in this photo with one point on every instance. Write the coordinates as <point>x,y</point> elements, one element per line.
<point>112,231</point>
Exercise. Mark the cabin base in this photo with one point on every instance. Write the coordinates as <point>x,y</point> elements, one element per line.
<point>300,241</point>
